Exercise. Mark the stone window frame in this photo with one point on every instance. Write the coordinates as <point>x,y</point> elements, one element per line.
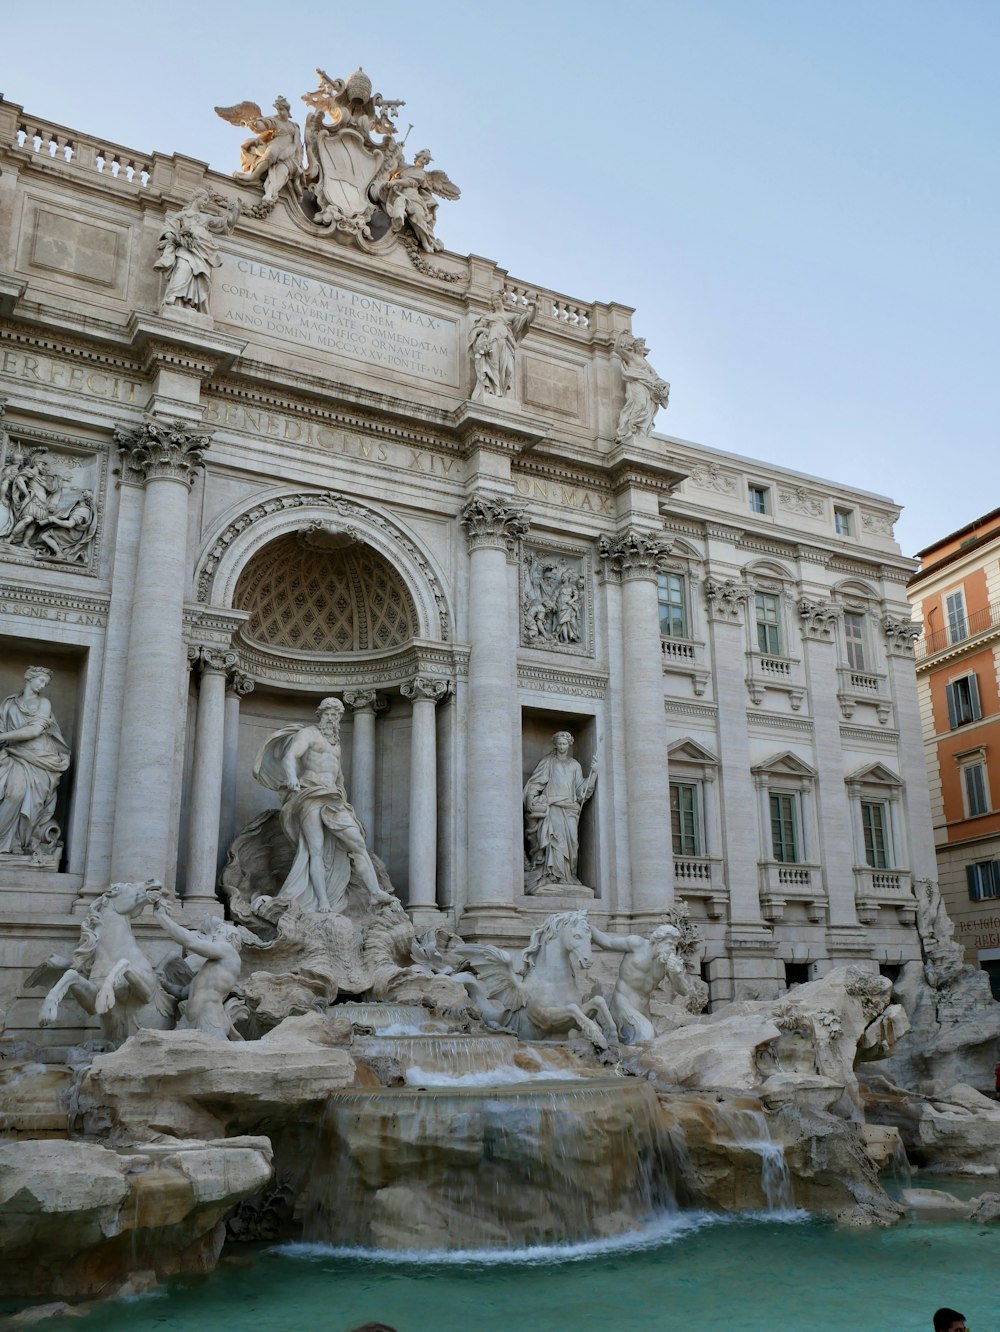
<point>772,670</point>
<point>787,774</point>
<point>686,656</point>
<point>967,761</point>
<point>691,763</point>
<point>869,684</point>
<point>878,784</point>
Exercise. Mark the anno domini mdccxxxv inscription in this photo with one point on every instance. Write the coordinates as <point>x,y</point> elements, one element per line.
<point>335,320</point>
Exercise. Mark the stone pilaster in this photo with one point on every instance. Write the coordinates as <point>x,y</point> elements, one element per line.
<point>634,559</point>
<point>365,704</point>
<point>212,666</point>
<point>900,635</point>
<point>424,694</point>
<point>493,528</point>
<point>238,686</point>
<point>164,458</point>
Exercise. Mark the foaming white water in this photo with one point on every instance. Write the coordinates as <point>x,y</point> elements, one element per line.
<point>405,1029</point>
<point>660,1230</point>
<point>501,1076</point>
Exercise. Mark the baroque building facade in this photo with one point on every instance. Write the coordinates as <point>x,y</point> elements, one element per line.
<point>956,594</point>
<point>266,442</point>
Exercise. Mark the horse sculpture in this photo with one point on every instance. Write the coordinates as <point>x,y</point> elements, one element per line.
<point>109,975</point>
<point>539,997</point>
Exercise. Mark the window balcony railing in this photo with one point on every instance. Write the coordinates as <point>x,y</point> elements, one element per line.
<point>781,883</point>
<point>700,877</point>
<point>979,622</point>
<point>889,888</point>
<point>677,649</point>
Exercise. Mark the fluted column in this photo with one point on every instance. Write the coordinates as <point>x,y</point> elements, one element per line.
<point>364,703</point>
<point>163,457</point>
<point>633,559</point>
<point>238,686</point>
<point>493,526</point>
<point>211,665</point>
<point>424,694</point>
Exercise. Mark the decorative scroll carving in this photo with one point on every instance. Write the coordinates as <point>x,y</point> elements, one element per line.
<point>876,523</point>
<point>634,554</point>
<point>203,658</point>
<point>645,391</point>
<point>493,343</point>
<point>424,687</point>
<point>819,618</point>
<point>36,516</point>
<point>171,449</point>
<point>709,476</point>
<point>797,499</point>
<point>365,700</point>
<point>493,522</point>
<point>900,635</point>
<point>724,598</point>
<point>238,682</point>
<point>189,250</point>
<point>553,600</point>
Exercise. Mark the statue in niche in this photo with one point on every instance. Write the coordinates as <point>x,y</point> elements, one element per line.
<point>646,964</point>
<point>34,515</point>
<point>493,342</point>
<point>408,197</point>
<point>554,796</point>
<point>189,251</point>
<point>552,600</point>
<point>33,756</point>
<point>645,391</point>
<point>274,151</point>
<point>208,999</point>
<point>303,763</point>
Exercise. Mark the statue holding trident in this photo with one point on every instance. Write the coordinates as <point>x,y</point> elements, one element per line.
<point>303,763</point>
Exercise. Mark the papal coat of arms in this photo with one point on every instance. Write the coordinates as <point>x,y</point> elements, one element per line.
<point>350,184</point>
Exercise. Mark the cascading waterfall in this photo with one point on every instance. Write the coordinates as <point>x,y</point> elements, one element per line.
<point>746,1128</point>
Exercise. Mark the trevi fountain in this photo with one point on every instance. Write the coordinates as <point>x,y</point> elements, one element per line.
<point>572,1074</point>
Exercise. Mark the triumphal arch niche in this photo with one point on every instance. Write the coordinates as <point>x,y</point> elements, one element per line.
<point>267,442</point>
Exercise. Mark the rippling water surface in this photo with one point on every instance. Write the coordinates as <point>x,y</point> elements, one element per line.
<point>685,1272</point>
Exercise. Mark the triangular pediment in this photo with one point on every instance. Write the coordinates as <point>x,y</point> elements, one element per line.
<point>690,751</point>
<point>875,773</point>
<point>786,764</point>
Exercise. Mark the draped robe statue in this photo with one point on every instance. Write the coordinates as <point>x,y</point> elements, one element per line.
<point>33,756</point>
<point>554,796</point>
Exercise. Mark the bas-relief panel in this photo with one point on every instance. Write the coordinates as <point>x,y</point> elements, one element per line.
<point>336,321</point>
<point>83,246</point>
<point>51,494</point>
<point>556,597</point>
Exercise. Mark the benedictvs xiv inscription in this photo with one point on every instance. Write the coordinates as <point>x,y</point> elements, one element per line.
<point>332,319</point>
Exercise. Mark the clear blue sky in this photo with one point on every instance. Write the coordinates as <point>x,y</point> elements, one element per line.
<point>799,197</point>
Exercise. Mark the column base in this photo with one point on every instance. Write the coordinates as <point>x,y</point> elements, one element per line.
<point>426,917</point>
<point>195,905</point>
<point>500,924</point>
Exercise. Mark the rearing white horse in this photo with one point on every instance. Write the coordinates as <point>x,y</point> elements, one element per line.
<point>109,974</point>
<point>539,997</point>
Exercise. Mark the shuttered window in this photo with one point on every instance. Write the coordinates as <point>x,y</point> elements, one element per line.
<point>962,696</point>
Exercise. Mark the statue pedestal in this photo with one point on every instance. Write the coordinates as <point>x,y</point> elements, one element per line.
<point>550,889</point>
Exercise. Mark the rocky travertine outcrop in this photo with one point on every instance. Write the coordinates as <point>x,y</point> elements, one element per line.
<point>76,1219</point>
<point>956,1131</point>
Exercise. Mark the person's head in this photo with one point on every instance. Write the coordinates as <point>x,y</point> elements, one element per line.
<point>38,677</point>
<point>949,1320</point>
<point>562,742</point>
<point>422,158</point>
<point>329,713</point>
<point>665,939</point>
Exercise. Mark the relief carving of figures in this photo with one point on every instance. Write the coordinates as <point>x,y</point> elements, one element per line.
<point>33,757</point>
<point>274,151</point>
<point>303,763</point>
<point>493,342</point>
<point>35,515</point>
<point>408,198</point>
<point>645,391</point>
<point>189,250</point>
<point>554,796</point>
<point>553,596</point>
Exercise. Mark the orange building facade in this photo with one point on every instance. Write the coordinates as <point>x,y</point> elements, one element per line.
<point>956,593</point>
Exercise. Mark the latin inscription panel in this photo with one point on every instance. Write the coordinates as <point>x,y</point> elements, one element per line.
<point>339,321</point>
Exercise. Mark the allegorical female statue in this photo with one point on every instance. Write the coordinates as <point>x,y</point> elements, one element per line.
<point>33,756</point>
<point>554,796</point>
<point>189,252</point>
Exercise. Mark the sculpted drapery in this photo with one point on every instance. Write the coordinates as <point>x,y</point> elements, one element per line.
<point>554,796</point>
<point>33,756</point>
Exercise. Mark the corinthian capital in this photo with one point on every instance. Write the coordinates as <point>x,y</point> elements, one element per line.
<point>724,597</point>
<point>633,554</point>
<point>425,687</point>
<point>171,449</point>
<point>900,635</point>
<point>489,521</point>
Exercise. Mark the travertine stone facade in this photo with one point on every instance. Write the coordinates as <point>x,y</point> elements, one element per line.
<point>297,481</point>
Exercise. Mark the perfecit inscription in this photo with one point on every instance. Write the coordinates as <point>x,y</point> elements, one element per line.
<point>337,320</point>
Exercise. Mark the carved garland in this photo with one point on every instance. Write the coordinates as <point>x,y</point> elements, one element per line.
<point>344,508</point>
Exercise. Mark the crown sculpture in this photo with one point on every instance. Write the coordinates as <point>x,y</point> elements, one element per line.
<point>337,178</point>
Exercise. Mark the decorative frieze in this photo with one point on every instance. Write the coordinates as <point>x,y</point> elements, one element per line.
<point>796,499</point>
<point>494,523</point>
<point>43,603</point>
<point>633,555</point>
<point>573,683</point>
<point>171,449</point>
<point>725,597</point>
<point>710,476</point>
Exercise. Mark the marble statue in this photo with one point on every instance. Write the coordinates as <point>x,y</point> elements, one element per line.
<point>493,342</point>
<point>33,514</point>
<point>646,964</point>
<point>303,763</point>
<point>273,153</point>
<point>944,959</point>
<point>33,757</point>
<point>552,600</point>
<point>408,197</point>
<point>109,975</point>
<point>645,391</point>
<point>209,1004</point>
<point>189,250</point>
<point>554,796</point>
<point>537,997</point>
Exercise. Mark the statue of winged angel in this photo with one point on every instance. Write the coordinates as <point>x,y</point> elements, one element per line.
<point>408,196</point>
<point>274,152</point>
